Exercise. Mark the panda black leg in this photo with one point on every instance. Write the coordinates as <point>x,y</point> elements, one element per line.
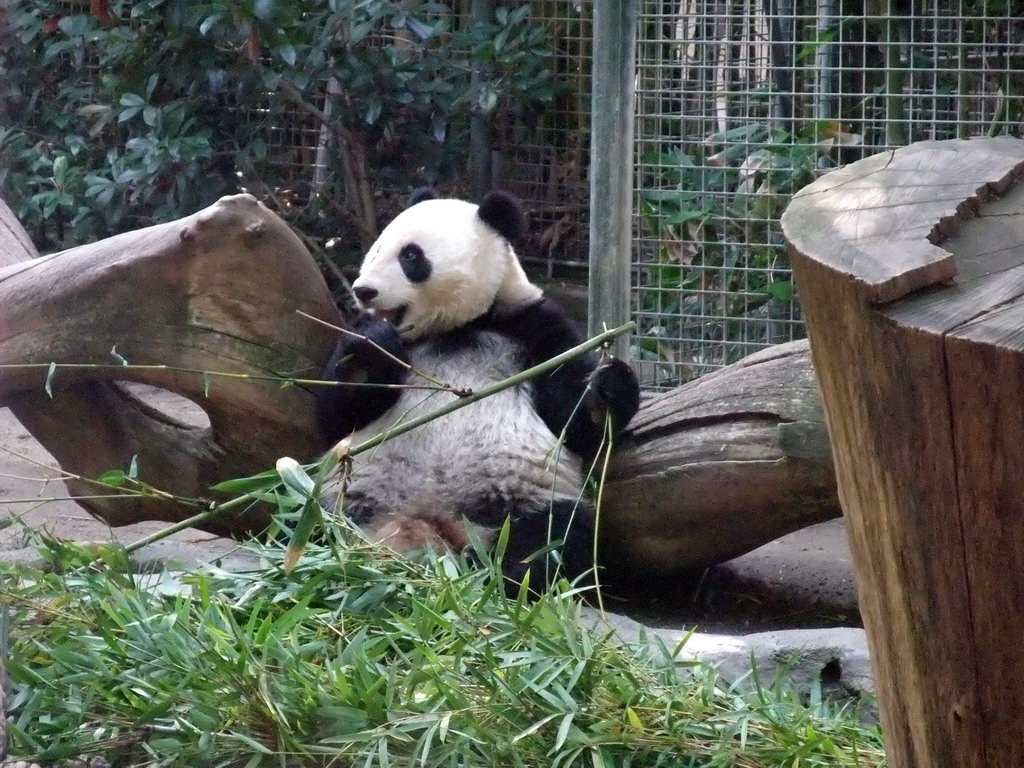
<point>576,396</point>
<point>576,400</point>
<point>570,522</point>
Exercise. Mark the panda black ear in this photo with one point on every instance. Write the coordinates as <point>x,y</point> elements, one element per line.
<point>503,212</point>
<point>421,194</point>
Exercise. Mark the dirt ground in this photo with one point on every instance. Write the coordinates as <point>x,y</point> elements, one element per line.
<point>801,580</point>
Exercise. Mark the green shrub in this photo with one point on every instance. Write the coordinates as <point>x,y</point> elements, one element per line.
<point>140,112</point>
<point>334,651</point>
<point>362,657</point>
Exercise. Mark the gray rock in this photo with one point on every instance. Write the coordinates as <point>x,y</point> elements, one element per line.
<point>838,658</point>
<point>91,762</point>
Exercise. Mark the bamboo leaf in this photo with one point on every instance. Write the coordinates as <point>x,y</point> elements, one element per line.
<point>261,482</point>
<point>311,516</point>
<point>115,477</point>
<point>50,373</point>
<point>634,720</point>
<point>563,729</point>
<point>295,477</point>
<point>250,742</point>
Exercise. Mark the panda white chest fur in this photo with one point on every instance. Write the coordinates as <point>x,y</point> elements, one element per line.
<point>480,463</point>
<point>442,292</point>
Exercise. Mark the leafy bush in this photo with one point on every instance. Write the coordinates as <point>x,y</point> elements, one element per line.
<point>335,651</point>
<point>132,113</point>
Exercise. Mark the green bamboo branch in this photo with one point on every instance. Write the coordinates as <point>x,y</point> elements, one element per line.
<point>142,490</point>
<point>461,402</point>
<point>492,389</point>
<point>76,498</point>
<point>188,522</point>
<point>439,384</point>
<point>609,434</point>
<point>221,374</point>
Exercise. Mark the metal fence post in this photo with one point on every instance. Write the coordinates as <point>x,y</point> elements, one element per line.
<point>611,162</point>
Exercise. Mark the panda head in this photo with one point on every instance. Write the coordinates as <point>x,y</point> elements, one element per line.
<point>443,263</point>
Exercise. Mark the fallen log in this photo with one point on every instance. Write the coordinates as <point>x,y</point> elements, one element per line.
<point>709,471</point>
<point>720,466</point>
<point>213,292</point>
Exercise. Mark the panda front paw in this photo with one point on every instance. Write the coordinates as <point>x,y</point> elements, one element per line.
<point>616,391</point>
<point>372,352</point>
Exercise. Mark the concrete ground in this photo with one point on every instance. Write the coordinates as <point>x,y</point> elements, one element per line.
<point>34,498</point>
<point>801,580</point>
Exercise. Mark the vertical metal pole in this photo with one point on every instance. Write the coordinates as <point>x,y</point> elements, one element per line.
<point>781,18</point>
<point>480,172</point>
<point>611,166</point>
<point>825,63</point>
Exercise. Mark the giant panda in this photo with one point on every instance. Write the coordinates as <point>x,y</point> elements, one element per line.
<point>442,292</point>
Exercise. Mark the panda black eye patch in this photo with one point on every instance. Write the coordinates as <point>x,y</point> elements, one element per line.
<point>415,263</point>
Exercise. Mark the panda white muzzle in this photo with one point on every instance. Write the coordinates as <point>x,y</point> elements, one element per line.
<point>366,296</point>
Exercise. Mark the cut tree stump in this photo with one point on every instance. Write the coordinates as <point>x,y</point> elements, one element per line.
<point>709,471</point>
<point>910,267</point>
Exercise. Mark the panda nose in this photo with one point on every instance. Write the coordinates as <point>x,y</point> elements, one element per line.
<point>364,294</point>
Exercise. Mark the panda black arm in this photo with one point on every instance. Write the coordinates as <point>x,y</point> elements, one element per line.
<point>577,395</point>
<point>359,359</point>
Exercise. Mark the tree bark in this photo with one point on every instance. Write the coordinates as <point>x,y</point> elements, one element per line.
<point>720,466</point>
<point>911,272</point>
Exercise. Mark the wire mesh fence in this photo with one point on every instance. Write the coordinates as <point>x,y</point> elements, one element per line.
<point>740,103</point>
<point>543,157</point>
<point>737,105</point>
